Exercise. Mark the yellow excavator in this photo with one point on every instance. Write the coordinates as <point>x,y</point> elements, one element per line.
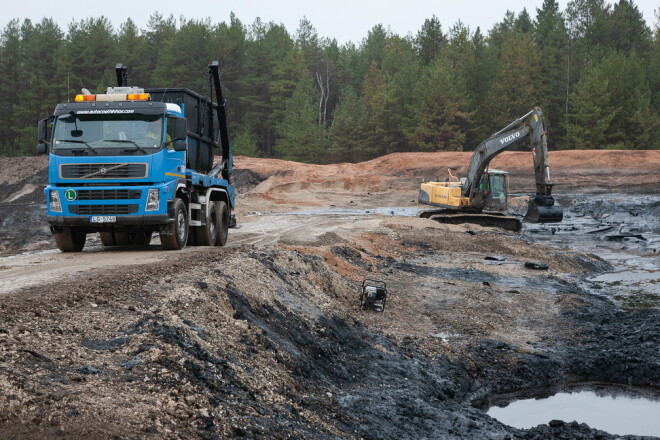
<point>481,196</point>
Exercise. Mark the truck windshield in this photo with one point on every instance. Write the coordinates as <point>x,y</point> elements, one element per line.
<point>132,131</point>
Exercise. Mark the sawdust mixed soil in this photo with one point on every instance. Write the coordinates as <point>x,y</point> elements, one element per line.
<point>264,338</point>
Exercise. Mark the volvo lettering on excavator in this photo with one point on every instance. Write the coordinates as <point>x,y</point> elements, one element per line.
<point>481,196</point>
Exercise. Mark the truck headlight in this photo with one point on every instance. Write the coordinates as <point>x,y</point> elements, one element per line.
<point>55,204</point>
<point>153,199</point>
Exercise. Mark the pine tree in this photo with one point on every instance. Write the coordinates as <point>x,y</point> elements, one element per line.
<point>592,112</point>
<point>429,40</point>
<point>383,136</point>
<point>402,74</point>
<point>372,50</point>
<point>183,62</point>
<point>628,31</point>
<point>38,94</point>
<point>629,91</point>
<point>654,68</point>
<point>132,52</point>
<point>10,83</point>
<point>301,138</point>
<point>515,89</point>
<point>159,37</point>
<point>244,143</point>
<point>230,47</point>
<point>346,133</point>
<point>271,73</point>
<point>478,79</point>
<point>442,113</point>
<point>551,38</point>
<point>523,23</point>
<point>91,47</point>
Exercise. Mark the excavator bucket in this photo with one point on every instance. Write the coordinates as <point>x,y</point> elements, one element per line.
<point>544,209</point>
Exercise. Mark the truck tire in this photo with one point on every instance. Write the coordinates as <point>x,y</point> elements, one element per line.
<point>71,239</point>
<point>177,234</point>
<point>207,235</point>
<point>222,224</point>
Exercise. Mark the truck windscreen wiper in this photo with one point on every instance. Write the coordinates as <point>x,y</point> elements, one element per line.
<point>127,141</point>
<point>76,141</point>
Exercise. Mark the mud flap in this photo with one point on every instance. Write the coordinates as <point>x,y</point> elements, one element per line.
<point>544,209</point>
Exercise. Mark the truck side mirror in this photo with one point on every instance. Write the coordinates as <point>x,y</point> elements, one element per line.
<point>180,134</point>
<point>42,132</point>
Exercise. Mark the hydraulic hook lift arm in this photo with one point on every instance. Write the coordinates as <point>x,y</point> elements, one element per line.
<point>225,166</point>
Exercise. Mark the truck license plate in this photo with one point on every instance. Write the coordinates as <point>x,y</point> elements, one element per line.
<point>103,219</point>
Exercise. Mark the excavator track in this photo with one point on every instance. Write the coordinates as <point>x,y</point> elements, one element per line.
<point>494,220</point>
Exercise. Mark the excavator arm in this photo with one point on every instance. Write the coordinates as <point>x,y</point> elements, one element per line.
<point>542,208</point>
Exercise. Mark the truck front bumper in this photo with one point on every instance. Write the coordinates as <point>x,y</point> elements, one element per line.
<point>122,221</point>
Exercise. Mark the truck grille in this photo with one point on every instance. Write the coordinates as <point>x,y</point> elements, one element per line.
<point>103,171</point>
<point>109,194</point>
<point>103,209</point>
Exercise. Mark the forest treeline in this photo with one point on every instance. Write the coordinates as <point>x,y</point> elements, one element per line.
<point>593,68</point>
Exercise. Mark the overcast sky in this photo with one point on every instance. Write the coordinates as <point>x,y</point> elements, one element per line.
<point>345,20</point>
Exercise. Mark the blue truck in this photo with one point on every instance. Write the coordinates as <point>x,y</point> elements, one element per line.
<point>133,162</point>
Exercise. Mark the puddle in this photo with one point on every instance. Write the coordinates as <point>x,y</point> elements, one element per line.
<point>616,414</point>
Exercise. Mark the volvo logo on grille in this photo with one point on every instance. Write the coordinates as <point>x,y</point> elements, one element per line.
<point>103,171</point>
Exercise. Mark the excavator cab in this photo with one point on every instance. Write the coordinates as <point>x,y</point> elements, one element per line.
<point>494,185</point>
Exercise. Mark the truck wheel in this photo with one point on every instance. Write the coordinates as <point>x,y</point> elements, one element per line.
<point>177,233</point>
<point>206,235</point>
<point>71,239</point>
<point>108,238</point>
<point>222,223</point>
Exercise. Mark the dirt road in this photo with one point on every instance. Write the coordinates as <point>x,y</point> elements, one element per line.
<point>34,268</point>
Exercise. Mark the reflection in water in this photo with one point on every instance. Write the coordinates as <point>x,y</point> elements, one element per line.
<point>618,415</point>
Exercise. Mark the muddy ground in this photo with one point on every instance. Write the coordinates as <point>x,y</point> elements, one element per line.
<point>265,339</point>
